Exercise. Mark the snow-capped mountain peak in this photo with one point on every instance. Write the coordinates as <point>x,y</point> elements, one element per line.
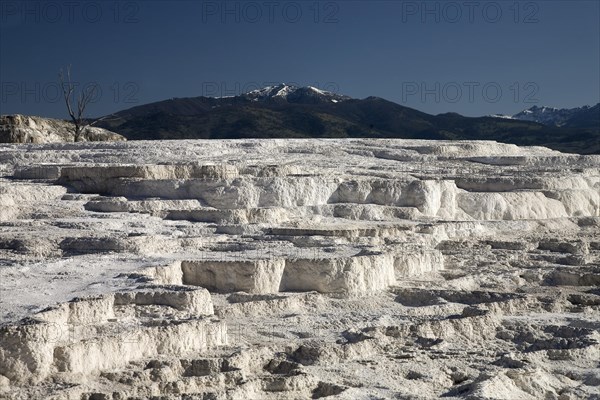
<point>551,116</point>
<point>269,91</point>
<point>294,94</point>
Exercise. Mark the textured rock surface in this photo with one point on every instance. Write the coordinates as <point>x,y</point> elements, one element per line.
<point>273,269</point>
<point>26,129</point>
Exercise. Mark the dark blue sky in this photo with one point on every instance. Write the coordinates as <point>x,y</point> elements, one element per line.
<point>471,57</point>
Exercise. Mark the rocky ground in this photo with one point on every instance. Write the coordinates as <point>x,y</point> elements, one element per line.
<point>274,269</point>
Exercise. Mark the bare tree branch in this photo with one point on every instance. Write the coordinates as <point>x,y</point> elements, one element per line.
<point>83,99</point>
<point>101,119</point>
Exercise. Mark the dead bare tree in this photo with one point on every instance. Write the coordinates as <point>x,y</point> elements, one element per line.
<point>83,99</point>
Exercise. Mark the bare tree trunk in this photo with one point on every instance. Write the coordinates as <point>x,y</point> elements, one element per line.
<point>77,132</point>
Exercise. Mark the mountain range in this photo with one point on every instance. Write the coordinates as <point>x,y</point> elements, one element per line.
<point>579,117</point>
<point>285,111</point>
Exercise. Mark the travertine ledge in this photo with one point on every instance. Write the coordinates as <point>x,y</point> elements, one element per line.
<point>293,269</point>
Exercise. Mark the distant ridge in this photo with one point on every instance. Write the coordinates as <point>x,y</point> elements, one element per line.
<point>579,117</point>
<point>286,111</point>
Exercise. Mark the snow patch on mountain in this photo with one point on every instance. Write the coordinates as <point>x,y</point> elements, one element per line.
<point>501,116</point>
<point>294,94</point>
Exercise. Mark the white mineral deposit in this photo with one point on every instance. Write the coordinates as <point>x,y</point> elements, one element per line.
<point>298,269</point>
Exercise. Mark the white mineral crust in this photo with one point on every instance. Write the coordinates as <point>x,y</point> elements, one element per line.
<point>296,269</point>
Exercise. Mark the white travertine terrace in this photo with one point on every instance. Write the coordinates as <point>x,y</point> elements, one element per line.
<point>294,269</point>
<point>19,128</point>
